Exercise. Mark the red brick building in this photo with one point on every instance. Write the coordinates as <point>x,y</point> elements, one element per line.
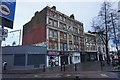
<point>63,35</point>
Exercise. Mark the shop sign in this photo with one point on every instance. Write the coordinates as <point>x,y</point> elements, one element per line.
<point>53,53</point>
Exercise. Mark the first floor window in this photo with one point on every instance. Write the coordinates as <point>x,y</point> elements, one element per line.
<point>61,46</point>
<point>50,33</point>
<point>55,46</point>
<point>65,47</point>
<point>50,22</point>
<point>50,45</point>
<point>55,34</point>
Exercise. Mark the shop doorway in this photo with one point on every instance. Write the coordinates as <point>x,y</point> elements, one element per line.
<point>64,59</point>
<point>53,61</point>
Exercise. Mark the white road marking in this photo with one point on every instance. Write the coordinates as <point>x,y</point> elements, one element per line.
<point>68,75</point>
<point>104,75</point>
<point>35,75</point>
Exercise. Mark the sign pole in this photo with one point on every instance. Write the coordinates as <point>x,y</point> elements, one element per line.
<point>6,19</point>
<point>1,54</point>
<point>0,60</point>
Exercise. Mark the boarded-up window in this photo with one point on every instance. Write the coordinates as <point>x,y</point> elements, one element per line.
<point>19,60</point>
<point>36,59</point>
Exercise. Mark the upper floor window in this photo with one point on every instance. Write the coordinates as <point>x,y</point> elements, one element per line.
<point>50,13</point>
<point>68,21</point>
<point>65,36</point>
<point>65,47</point>
<point>70,36</point>
<point>50,22</point>
<point>61,17</point>
<point>75,30</point>
<point>61,35</point>
<point>55,15</point>
<point>55,23</point>
<point>72,22</point>
<point>64,19</point>
<point>61,46</point>
<point>61,26</point>
<point>70,45</point>
<point>64,27</point>
<point>75,38</point>
<point>55,34</point>
<point>70,28</point>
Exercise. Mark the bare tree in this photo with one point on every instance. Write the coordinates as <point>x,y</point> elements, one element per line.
<point>98,22</point>
<point>103,23</point>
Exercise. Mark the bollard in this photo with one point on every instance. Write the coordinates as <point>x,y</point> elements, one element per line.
<point>43,68</point>
<point>64,66</point>
<point>61,67</point>
<point>75,67</point>
<point>102,64</point>
<point>77,78</point>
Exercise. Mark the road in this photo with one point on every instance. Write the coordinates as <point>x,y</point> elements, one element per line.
<point>86,71</point>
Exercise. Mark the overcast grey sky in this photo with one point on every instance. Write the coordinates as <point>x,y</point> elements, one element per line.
<point>83,10</point>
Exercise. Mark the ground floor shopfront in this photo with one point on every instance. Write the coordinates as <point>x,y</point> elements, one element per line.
<point>24,57</point>
<point>53,58</point>
<point>101,57</point>
<point>91,56</point>
<point>70,57</point>
<point>57,58</point>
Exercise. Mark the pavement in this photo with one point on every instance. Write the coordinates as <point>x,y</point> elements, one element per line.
<point>88,70</point>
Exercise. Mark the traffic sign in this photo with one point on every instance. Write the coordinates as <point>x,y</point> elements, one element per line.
<point>7,9</point>
<point>7,12</point>
<point>116,41</point>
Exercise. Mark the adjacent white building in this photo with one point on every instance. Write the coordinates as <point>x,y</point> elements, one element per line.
<point>95,46</point>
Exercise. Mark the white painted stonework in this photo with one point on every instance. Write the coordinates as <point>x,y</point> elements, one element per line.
<point>76,58</point>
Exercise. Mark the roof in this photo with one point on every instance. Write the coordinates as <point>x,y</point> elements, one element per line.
<point>90,34</point>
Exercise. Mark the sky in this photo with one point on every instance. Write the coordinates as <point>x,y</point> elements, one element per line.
<point>83,11</point>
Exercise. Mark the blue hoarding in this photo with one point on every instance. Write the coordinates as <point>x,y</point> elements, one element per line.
<point>7,9</point>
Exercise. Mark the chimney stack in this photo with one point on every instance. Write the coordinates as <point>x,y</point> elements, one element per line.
<point>54,7</point>
<point>72,16</point>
